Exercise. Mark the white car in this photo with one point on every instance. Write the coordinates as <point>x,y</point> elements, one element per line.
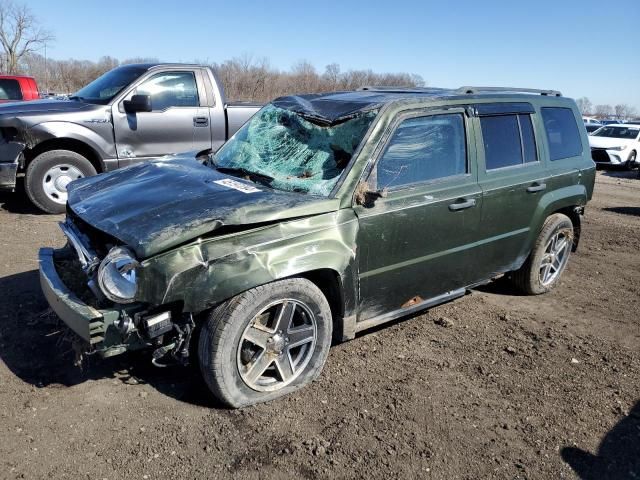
<point>591,121</point>
<point>616,144</point>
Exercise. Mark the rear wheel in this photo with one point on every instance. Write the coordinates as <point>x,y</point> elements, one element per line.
<point>266,342</point>
<point>548,258</point>
<point>49,174</point>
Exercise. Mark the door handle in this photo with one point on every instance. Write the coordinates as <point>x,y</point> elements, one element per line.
<point>536,187</point>
<point>461,205</point>
<point>200,121</point>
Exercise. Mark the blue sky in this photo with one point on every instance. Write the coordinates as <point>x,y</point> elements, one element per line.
<point>581,47</point>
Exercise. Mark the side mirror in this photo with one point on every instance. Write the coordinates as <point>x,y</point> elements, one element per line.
<point>138,103</point>
<point>366,197</point>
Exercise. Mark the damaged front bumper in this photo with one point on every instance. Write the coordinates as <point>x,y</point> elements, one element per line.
<point>10,160</point>
<point>97,328</point>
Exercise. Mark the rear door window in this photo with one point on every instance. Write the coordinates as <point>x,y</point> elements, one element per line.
<point>562,133</point>
<point>10,89</point>
<point>423,149</point>
<point>508,140</point>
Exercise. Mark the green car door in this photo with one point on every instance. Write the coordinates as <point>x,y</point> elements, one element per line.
<point>513,177</point>
<point>416,241</point>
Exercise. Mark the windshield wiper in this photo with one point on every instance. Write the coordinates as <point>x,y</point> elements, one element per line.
<point>243,172</point>
<point>76,97</point>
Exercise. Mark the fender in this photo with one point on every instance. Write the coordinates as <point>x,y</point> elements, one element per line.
<point>208,272</point>
<point>99,137</point>
<point>551,202</point>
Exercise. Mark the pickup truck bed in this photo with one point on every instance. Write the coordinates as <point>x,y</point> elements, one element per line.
<point>238,113</point>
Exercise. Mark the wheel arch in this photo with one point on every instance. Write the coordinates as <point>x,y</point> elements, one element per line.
<point>70,144</point>
<point>569,201</point>
<point>574,213</point>
<point>331,285</point>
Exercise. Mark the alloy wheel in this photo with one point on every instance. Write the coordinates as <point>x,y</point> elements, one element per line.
<point>556,254</point>
<point>277,345</point>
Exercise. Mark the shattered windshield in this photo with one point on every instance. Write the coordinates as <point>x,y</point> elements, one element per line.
<point>287,152</point>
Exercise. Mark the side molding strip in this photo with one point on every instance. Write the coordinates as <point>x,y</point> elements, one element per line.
<point>387,317</point>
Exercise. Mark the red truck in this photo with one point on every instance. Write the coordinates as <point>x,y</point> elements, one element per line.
<point>16,88</point>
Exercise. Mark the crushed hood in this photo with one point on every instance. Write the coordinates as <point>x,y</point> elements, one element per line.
<point>39,107</point>
<point>156,205</point>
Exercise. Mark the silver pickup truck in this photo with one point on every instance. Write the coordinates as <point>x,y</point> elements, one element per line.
<point>129,114</point>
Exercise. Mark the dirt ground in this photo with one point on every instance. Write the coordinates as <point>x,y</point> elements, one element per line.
<point>493,385</point>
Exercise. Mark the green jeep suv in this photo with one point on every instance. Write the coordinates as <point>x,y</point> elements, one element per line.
<point>323,216</point>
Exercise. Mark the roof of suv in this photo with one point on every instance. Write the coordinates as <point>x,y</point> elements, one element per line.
<point>333,107</point>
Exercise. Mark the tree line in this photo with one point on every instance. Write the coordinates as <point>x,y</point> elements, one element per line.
<point>244,78</point>
<point>622,111</point>
<point>24,42</point>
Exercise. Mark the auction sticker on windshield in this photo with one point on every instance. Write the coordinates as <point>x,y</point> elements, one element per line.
<point>227,182</point>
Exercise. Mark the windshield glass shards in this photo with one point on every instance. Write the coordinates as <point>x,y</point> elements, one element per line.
<point>296,154</point>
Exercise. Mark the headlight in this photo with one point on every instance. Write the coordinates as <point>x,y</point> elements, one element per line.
<point>117,275</point>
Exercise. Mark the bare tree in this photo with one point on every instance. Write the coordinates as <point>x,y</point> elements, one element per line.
<point>584,105</point>
<point>332,75</point>
<point>603,111</point>
<point>20,33</point>
<point>623,111</point>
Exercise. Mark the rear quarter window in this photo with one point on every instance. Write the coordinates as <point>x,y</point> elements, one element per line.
<point>562,133</point>
<point>10,89</point>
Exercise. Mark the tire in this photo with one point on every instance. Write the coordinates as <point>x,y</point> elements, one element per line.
<point>48,174</point>
<point>631,161</point>
<point>531,278</point>
<point>226,355</point>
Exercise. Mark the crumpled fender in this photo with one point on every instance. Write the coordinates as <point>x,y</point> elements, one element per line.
<point>99,137</point>
<point>206,273</point>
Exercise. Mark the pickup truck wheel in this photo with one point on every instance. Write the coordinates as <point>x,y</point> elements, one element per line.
<point>548,259</point>
<point>266,342</point>
<point>48,175</point>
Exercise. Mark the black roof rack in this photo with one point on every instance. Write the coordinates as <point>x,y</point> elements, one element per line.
<point>400,89</point>
<point>467,90</point>
<point>472,90</point>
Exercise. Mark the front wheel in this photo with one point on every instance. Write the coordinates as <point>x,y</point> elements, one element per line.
<point>631,161</point>
<point>49,174</point>
<point>265,342</point>
<point>548,258</point>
